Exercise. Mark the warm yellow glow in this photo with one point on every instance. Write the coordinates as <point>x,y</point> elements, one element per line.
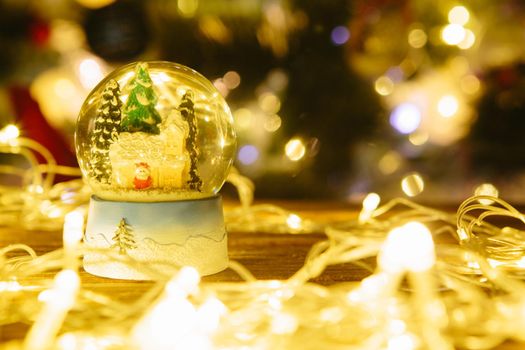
<point>453,34</point>
<point>283,323</point>
<point>384,86</point>
<point>370,204</point>
<point>294,222</point>
<point>231,79</point>
<point>371,201</point>
<point>210,313</point>
<point>90,73</point>
<point>10,286</point>
<point>458,15</point>
<point>186,281</point>
<point>401,342</point>
<point>408,248</point>
<point>418,138</point>
<point>9,133</point>
<point>486,189</point>
<point>470,84</point>
<point>412,184</point>
<point>389,163</point>
<point>272,123</point>
<point>95,4</point>
<point>269,103</point>
<point>66,281</point>
<point>417,38</point>
<point>187,8</point>
<point>468,41</point>
<point>66,35</point>
<point>64,88</point>
<point>448,106</point>
<point>73,229</point>
<point>295,149</point>
<point>243,118</point>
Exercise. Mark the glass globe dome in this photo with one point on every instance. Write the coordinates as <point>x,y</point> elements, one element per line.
<point>154,131</point>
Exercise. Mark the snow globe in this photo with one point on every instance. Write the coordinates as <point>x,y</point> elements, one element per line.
<point>155,142</point>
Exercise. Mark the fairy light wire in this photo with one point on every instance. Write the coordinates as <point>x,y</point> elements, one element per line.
<point>482,271</point>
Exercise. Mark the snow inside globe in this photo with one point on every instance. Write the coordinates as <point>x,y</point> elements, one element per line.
<point>155,142</point>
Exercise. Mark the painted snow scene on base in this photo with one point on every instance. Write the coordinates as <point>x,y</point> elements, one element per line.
<point>187,233</point>
<point>155,132</point>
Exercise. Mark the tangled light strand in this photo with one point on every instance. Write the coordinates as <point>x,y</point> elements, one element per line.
<point>466,292</point>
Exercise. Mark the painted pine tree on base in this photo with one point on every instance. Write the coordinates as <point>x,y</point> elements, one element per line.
<point>105,132</point>
<point>123,238</point>
<point>187,111</point>
<point>139,113</point>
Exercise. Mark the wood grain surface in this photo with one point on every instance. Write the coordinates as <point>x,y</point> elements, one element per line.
<point>267,256</point>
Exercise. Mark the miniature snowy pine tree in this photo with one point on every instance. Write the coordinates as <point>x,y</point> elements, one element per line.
<point>139,113</point>
<point>107,126</point>
<point>188,113</point>
<point>123,237</point>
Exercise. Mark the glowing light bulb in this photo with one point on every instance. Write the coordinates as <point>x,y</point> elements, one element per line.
<point>73,224</point>
<point>370,204</point>
<point>384,86</point>
<point>408,248</point>
<point>283,323</point>
<point>371,201</point>
<point>405,118</point>
<point>294,222</point>
<point>412,184</point>
<point>453,34</point>
<point>401,342</point>
<point>486,189</point>
<point>448,106</point>
<point>295,149</point>
<point>9,133</point>
<point>458,15</point>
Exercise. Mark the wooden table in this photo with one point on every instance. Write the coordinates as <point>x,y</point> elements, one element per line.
<point>267,256</point>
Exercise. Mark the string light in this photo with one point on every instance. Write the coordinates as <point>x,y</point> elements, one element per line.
<point>190,314</point>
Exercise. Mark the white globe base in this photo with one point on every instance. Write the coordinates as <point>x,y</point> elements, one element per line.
<point>160,237</point>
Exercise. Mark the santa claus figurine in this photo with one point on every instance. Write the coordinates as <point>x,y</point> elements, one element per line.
<point>142,178</point>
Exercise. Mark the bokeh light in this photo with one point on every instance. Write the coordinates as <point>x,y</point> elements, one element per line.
<point>470,84</point>
<point>248,154</point>
<point>390,162</point>
<point>412,184</point>
<point>269,103</point>
<point>448,106</point>
<point>231,79</point>
<point>453,34</point>
<point>468,41</point>
<point>417,38</point>
<point>340,35</point>
<point>458,15</point>
<point>295,149</point>
<point>272,123</point>
<point>405,118</point>
<point>384,86</point>
<point>486,189</point>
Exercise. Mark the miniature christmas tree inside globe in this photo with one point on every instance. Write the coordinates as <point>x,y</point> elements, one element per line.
<point>155,131</point>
